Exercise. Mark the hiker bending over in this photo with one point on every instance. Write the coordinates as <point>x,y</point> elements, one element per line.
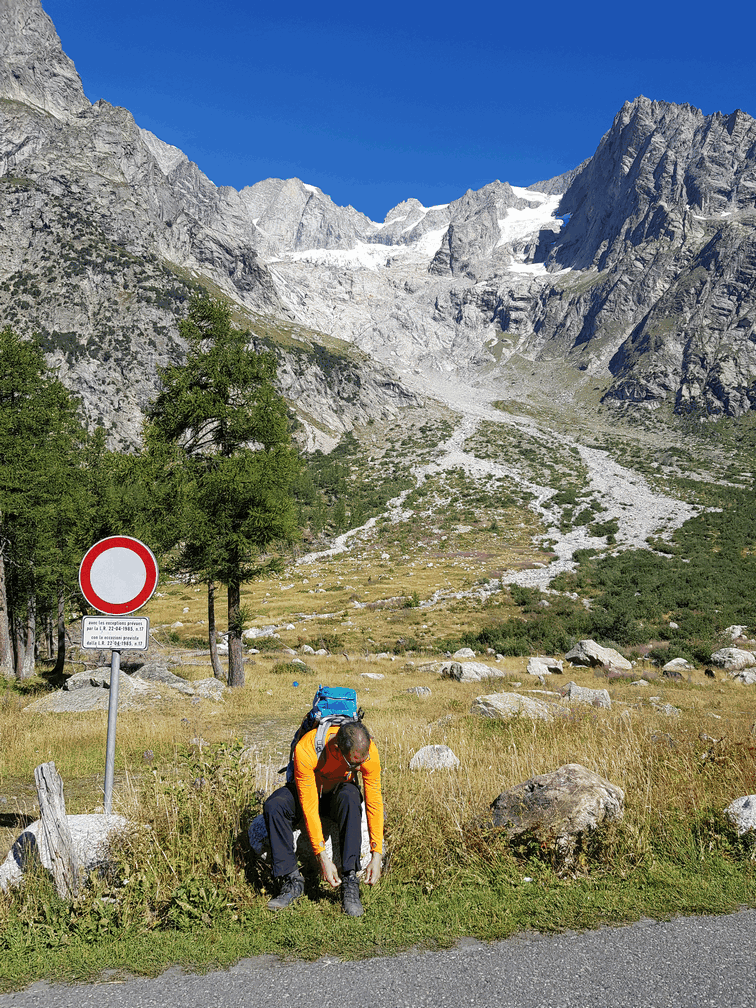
<point>326,785</point>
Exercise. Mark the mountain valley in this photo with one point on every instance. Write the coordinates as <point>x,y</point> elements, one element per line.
<point>588,340</point>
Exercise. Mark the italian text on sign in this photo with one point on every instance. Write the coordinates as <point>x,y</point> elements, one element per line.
<point>116,633</point>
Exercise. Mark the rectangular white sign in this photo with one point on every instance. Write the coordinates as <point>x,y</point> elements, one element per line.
<point>118,633</point>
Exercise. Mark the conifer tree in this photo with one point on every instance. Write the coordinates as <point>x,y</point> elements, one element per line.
<point>218,446</point>
<point>43,500</point>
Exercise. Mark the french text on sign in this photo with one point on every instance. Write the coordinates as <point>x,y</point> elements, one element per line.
<point>99,632</point>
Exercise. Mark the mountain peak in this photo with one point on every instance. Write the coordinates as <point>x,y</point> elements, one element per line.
<point>34,69</point>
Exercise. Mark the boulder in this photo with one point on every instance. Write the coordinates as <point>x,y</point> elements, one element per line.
<point>210,689</point>
<point>742,814</point>
<point>469,671</point>
<point>503,706</point>
<point>560,808</point>
<point>421,691</point>
<point>434,757</point>
<point>677,665</point>
<point>99,677</point>
<point>582,694</point>
<point>544,666</point>
<point>747,676</point>
<point>733,659</point>
<point>372,675</point>
<point>90,834</point>
<point>588,652</point>
<point>157,673</point>
<point>735,631</point>
<point>255,633</point>
<point>464,652</point>
<point>667,709</point>
<point>306,649</point>
<point>260,844</point>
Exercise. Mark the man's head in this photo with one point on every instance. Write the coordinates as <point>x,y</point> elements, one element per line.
<point>353,742</point>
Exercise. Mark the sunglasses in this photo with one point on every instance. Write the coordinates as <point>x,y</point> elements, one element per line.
<point>352,766</point>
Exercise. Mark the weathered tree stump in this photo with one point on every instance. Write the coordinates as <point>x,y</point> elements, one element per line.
<point>52,808</point>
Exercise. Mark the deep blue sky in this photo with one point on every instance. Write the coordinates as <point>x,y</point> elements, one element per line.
<point>378,102</point>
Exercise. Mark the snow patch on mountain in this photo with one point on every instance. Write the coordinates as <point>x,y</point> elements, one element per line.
<point>520,223</point>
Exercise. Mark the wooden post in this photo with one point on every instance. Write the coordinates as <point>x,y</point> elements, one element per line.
<point>52,808</point>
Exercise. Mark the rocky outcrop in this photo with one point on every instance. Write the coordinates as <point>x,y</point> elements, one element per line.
<point>107,231</point>
<point>636,267</point>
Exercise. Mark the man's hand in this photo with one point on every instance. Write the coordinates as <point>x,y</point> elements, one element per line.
<point>373,871</point>
<point>328,870</point>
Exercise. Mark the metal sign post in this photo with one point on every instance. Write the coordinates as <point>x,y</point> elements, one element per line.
<point>117,576</point>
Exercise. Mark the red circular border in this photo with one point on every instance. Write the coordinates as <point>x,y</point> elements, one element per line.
<point>118,608</point>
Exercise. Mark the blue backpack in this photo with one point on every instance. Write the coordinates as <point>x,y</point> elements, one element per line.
<point>332,705</point>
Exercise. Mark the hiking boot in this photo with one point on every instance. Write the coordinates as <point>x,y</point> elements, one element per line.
<point>350,895</point>
<point>292,887</point>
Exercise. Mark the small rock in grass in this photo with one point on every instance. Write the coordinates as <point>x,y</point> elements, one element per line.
<point>742,814</point>
<point>434,757</point>
<point>747,676</point>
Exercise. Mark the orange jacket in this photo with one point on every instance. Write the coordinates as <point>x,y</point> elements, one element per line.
<point>315,776</point>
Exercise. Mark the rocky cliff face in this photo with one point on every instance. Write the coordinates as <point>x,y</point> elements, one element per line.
<point>637,267</point>
<point>105,231</point>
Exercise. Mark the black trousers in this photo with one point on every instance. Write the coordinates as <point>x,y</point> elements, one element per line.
<point>282,811</point>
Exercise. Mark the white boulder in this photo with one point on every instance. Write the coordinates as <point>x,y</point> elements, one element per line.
<point>260,844</point>
<point>747,676</point>
<point>434,757</point>
<point>742,814</point>
<point>733,659</point>
<point>90,834</point>
<point>588,652</point>
<point>544,666</point>
<point>469,671</point>
<point>503,706</point>
<point>677,665</point>
<point>582,694</point>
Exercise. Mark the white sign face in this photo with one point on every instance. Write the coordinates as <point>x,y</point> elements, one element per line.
<point>115,633</point>
<point>117,574</point>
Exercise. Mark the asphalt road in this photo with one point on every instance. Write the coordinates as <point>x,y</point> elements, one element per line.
<point>689,962</point>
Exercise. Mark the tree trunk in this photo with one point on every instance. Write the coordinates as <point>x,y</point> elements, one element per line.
<point>60,658</point>
<point>52,812</point>
<point>28,667</point>
<point>7,664</point>
<point>215,661</point>
<point>49,636</point>
<point>18,647</point>
<point>235,656</point>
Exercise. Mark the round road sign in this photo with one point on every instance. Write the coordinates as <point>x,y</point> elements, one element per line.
<point>118,575</point>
